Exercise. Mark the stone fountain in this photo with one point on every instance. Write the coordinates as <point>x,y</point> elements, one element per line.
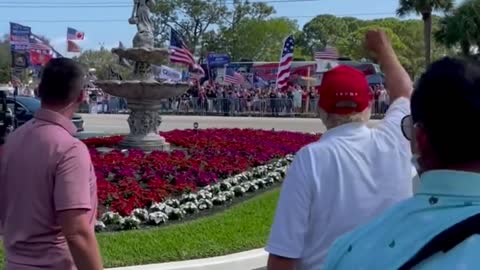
<point>144,93</point>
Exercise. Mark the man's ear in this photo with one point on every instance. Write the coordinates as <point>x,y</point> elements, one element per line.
<point>421,141</point>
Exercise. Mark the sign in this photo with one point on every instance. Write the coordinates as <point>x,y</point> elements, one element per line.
<point>167,73</point>
<point>19,34</point>
<point>218,60</point>
<point>20,59</point>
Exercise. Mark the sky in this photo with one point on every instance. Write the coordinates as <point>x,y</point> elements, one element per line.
<point>106,26</point>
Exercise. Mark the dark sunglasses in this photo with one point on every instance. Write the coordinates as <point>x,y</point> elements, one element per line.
<point>407,127</point>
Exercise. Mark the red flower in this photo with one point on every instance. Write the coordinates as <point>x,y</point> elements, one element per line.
<point>136,179</point>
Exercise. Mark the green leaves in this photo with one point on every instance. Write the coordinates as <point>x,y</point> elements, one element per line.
<point>461,29</point>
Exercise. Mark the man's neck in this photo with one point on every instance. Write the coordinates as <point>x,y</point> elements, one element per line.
<point>65,111</point>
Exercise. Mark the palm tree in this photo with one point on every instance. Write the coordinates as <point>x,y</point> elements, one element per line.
<point>424,8</point>
<point>461,29</point>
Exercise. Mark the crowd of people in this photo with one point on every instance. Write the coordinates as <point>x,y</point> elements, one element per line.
<point>348,200</point>
<point>229,100</point>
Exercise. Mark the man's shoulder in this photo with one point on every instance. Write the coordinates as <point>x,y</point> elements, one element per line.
<point>318,147</point>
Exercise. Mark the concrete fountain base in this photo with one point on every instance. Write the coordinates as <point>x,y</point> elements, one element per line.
<point>146,143</point>
<point>144,99</point>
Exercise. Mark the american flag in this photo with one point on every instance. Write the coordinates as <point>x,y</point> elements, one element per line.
<point>180,54</point>
<point>39,45</point>
<point>285,62</point>
<point>329,53</point>
<point>233,77</point>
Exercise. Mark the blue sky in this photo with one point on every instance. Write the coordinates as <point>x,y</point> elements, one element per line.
<point>53,22</point>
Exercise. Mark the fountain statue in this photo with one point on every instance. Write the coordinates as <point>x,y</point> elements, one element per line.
<point>143,93</point>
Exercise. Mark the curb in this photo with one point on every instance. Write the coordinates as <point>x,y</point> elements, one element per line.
<point>248,260</point>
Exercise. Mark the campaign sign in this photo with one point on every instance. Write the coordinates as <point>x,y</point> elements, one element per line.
<point>218,60</point>
<point>167,73</point>
<point>19,34</point>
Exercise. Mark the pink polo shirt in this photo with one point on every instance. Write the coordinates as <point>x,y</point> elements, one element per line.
<point>44,170</point>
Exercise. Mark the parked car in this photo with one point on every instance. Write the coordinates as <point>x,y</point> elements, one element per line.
<point>27,106</point>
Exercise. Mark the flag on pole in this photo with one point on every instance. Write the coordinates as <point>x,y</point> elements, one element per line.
<point>286,60</point>
<point>329,53</point>
<point>233,77</point>
<point>73,34</point>
<point>180,54</point>
<point>40,51</point>
<point>73,47</point>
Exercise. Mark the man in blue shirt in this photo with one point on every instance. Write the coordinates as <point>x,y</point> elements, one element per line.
<point>439,227</point>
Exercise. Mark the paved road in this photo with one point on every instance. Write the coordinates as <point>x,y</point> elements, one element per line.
<point>117,123</point>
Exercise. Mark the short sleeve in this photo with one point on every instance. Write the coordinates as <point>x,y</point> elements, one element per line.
<point>391,123</point>
<point>72,179</point>
<point>290,225</point>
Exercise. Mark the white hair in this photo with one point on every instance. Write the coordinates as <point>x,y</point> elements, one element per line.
<point>331,120</point>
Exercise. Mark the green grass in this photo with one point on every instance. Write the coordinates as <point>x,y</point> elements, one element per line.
<point>242,227</point>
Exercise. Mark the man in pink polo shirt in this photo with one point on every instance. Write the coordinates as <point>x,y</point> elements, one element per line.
<point>48,194</point>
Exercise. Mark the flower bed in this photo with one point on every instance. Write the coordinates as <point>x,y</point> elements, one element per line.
<point>135,187</point>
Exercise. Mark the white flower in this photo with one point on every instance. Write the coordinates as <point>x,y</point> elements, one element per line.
<point>188,198</point>
<point>157,218</point>
<point>215,189</point>
<point>224,186</point>
<point>130,223</point>
<point>176,214</point>
<point>99,226</point>
<point>173,203</point>
<point>204,194</point>
<point>239,191</point>
<point>232,181</point>
<point>204,204</point>
<point>219,200</point>
<point>111,218</point>
<point>189,208</point>
<point>157,207</point>
<point>229,195</point>
<point>141,214</point>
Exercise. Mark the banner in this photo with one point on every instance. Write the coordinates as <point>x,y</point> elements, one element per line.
<point>218,60</point>
<point>19,35</point>
<point>167,73</point>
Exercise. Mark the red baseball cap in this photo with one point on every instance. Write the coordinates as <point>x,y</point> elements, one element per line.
<point>344,90</point>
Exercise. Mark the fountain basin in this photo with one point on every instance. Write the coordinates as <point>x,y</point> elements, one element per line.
<point>142,90</point>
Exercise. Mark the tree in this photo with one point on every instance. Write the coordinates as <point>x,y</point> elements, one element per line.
<point>325,30</point>
<point>103,61</point>
<point>5,60</point>
<point>424,8</point>
<point>191,18</point>
<point>353,44</point>
<point>256,39</point>
<point>461,28</point>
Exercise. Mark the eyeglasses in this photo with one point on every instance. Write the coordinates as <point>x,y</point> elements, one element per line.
<point>407,126</point>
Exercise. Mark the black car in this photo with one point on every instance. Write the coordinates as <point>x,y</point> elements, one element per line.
<point>27,106</point>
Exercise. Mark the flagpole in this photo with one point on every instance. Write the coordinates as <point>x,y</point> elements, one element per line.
<point>308,89</point>
<point>209,74</point>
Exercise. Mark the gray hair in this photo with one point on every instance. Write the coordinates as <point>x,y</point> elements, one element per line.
<point>331,120</point>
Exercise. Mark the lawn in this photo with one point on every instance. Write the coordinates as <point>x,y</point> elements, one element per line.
<point>242,227</point>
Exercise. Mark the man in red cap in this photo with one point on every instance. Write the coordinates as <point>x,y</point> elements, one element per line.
<point>352,173</point>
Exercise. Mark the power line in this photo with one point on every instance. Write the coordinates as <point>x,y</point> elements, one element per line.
<point>33,5</point>
<point>124,20</point>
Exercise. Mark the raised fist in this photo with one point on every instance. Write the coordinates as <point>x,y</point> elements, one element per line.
<point>377,42</point>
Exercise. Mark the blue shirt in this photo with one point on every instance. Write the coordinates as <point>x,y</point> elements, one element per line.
<point>445,198</point>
